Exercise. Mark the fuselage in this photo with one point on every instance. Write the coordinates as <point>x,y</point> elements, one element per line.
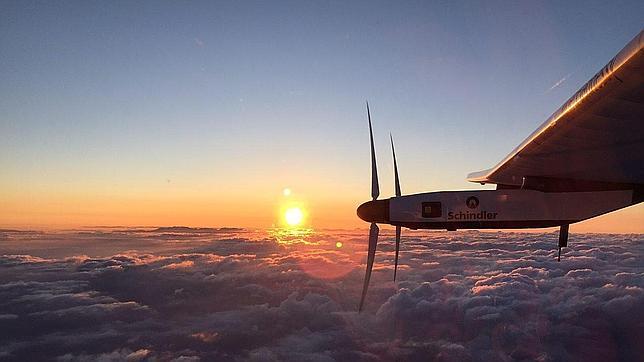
<point>493,209</point>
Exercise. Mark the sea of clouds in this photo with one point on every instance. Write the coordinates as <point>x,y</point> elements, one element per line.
<point>231,294</point>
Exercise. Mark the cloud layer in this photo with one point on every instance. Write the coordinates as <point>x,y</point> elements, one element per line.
<point>229,294</point>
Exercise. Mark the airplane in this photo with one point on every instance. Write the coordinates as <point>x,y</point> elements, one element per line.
<point>585,160</point>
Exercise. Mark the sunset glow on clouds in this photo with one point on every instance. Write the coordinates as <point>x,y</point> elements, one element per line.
<point>227,294</point>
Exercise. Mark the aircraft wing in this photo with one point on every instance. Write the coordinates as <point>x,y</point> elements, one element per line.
<point>594,141</point>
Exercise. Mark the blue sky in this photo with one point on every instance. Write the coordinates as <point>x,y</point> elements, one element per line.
<point>119,98</point>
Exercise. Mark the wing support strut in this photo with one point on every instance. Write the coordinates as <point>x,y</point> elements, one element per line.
<point>563,239</point>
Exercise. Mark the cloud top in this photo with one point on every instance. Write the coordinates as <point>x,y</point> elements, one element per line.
<point>230,294</point>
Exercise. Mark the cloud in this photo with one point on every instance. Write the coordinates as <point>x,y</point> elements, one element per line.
<point>180,265</point>
<point>558,83</point>
<point>119,355</point>
<point>229,294</point>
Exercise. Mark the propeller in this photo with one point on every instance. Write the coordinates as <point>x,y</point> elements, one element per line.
<point>371,255</point>
<point>377,211</point>
<point>396,179</point>
<point>373,229</point>
<point>398,193</point>
<point>375,189</point>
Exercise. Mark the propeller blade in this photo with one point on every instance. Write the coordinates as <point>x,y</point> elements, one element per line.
<point>371,254</point>
<point>398,193</point>
<point>397,250</point>
<point>396,179</point>
<point>375,189</point>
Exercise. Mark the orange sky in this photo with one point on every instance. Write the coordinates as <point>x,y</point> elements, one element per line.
<point>68,209</point>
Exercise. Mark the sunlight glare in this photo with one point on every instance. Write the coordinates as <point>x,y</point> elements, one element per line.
<point>293,216</point>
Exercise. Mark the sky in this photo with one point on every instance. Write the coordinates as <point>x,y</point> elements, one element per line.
<point>179,294</point>
<point>202,113</point>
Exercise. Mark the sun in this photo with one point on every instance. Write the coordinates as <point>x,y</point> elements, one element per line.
<point>293,216</point>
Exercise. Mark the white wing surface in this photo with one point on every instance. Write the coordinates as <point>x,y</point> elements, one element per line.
<point>594,141</point>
